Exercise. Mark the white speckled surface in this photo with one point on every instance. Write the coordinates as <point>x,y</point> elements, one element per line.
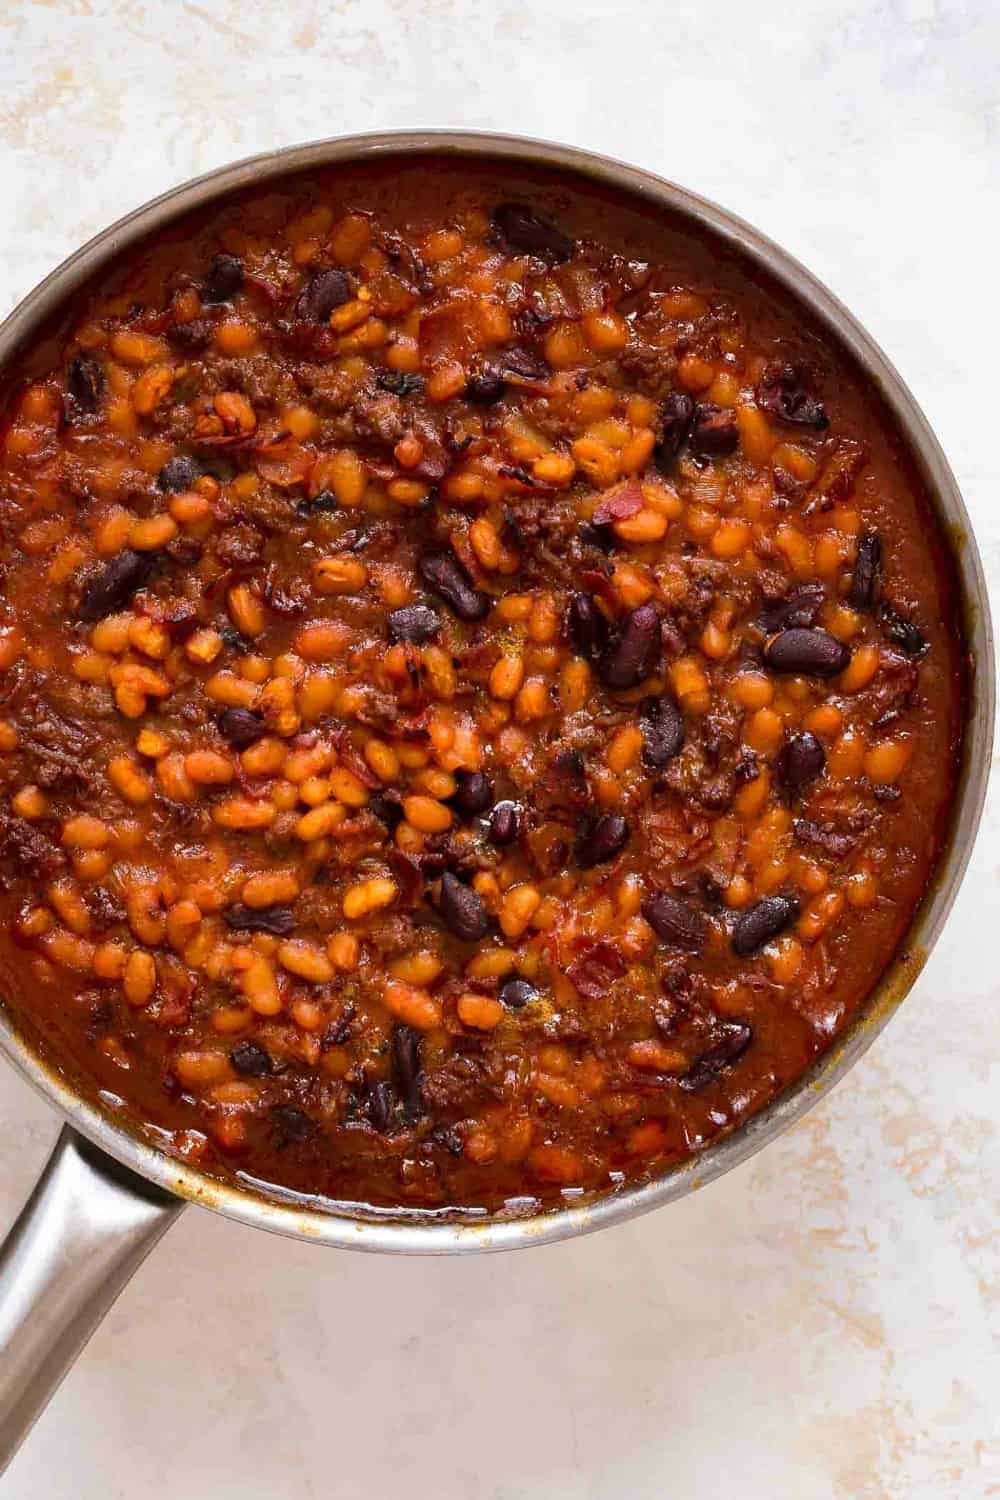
<point>821,1324</point>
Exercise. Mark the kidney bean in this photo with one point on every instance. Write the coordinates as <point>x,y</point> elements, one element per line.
<point>762,922</point>
<point>241,727</point>
<point>178,474</point>
<point>224,279</point>
<point>527,233</point>
<point>674,921</point>
<point>293,1125</point>
<point>783,393</point>
<point>662,725</point>
<point>734,1037</point>
<point>902,632</point>
<point>250,1060</point>
<point>443,572</point>
<point>380,1103</point>
<point>864,580</point>
<point>676,414</point>
<point>506,821</point>
<point>462,909</point>
<point>807,653</point>
<point>277,920</point>
<point>113,585</point>
<point>800,761</point>
<point>485,388</point>
<point>324,292</point>
<point>799,609</point>
<point>602,839</point>
<point>84,387</point>
<point>473,793</point>
<point>714,432</point>
<point>417,623</point>
<point>406,1066</point>
<point>586,626</point>
<point>517,993</point>
<point>635,652</point>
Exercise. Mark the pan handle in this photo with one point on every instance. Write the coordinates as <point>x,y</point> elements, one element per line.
<point>87,1226</point>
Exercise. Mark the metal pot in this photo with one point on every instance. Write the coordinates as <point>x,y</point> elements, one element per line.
<point>106,1196</point>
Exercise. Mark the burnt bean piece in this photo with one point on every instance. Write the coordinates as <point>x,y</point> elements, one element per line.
<point>400,383</point>
<point>178,474</point>
<point>864,580</point>
<point>380,1103</point>
<point>278,920</point>
<point>473,794</point>
<point>601,840</point>
<point>734,1037</point>
<point>506,821</point>
<point>807,653</point>
<point>714,432</point>
<point>675,922</point>
<point>784,393</point>
<point>241,727</point>
<point>224,279</point>
<point>462,909</point>
<point>515,994</point>
<point>416,623</point>
<point>676,415</point>
<point>586,626</point>
<point>326,290</point>
<point>635,652</point>
<point>801,759</point>
<point>662,726</point>
<point>528,233</point>
<point>799,609</point>
<point>84,387</point>
<point>406,1069</point>
<point>762,922</point>
<point>486,388</point>
<point>250,1060</point>
<point>902,632</point>
<point>293,1125</point>
<point>113,585</point>
<point>443,572</point>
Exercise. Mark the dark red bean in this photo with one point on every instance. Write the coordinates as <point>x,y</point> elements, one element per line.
<point>386,809</point>
<point>179,474</point>
<point>517,993</point>
<point>278,920</point>
<point>799,609</point>
<point>241,727</point>
<point>293,1125</point>
<point>224,279</point>
<point>113,585</point>
<point>381,1103</point>
<point>801,759</point>
<point>506,822</point>
<point>901,631</point>
<point>635,652</point>
<point>443,572</point>
<point>400,383</point>
<point>485,388</point>
<point>762,922</point>
<point>733,1039</point>
<point>602,839</point>
<point>714,432</point>
<point>807,653</point>
<point>473,794</point>
<point>84,387</point>
<point>586,626</point>
<point>416,623</point>
<point>462,909</point>
<point>406,1067</point>
<point>675,922</point>
<point>527,233</point>
<point>250,1060</point>
<point>326,290</point>
<point>676,415</point>
<point>662,726</point>
<point>784,393</point>
<point>864,580</point>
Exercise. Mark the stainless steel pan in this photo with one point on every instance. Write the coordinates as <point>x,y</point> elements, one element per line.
<point>106,1196</point>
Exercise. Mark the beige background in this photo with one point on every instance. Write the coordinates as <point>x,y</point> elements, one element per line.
<point>821,1325</point>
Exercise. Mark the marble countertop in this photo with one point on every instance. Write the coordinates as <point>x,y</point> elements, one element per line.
<point>822,1323</point>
